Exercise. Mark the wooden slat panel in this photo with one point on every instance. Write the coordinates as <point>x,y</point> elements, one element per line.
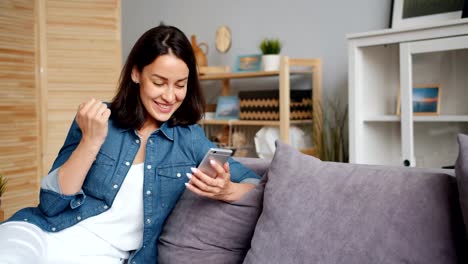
<point>19,127</point>
<point>83,61</point>
<point>53,56</point>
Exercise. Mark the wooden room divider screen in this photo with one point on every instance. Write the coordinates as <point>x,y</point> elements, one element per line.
<point>53,56</point>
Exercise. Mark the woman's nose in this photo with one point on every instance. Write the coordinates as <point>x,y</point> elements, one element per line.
<point>169,94</point>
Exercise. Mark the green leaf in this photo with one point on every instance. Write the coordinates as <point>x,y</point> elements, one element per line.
<point>270,46</point>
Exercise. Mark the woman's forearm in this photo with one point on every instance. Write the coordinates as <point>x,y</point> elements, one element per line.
<point>238,190</point>
<point>92,118</point>
<point>73,172</point>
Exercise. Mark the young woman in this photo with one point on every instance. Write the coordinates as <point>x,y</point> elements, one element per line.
<point>123,166</point>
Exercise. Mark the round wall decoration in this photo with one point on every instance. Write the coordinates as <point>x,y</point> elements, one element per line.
<point>223,39</point>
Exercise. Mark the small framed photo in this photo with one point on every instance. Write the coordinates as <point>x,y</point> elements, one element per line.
<point>248,63</point>
<point>420,12</point>
<point>426,100</point>
<point>227,107</point>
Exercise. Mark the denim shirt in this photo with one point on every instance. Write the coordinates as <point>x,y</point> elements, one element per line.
<point>170,153</point>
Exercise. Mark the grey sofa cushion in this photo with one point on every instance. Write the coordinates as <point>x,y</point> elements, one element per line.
<point>461,171</point>
<point>259,166</point>
<point>323,212</point>
<point>201,230</point>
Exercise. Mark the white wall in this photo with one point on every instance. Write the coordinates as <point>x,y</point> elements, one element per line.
<point>308,28</point>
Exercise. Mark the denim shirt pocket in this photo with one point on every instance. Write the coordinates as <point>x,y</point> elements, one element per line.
<point>171,182</point>
<point>99,173</point>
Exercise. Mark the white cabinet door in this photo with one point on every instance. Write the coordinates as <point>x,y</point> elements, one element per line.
<point>443,62</point>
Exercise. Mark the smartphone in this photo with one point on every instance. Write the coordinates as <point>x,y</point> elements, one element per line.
<point>218,154</point>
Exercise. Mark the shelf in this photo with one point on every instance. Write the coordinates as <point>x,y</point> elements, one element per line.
<point>428,118</point>
<point>431,30</point>
<point>383,118</point>
<point>311,68</point>
<point>441,118</point>
<point>241,75</point>
<point>234,122</point>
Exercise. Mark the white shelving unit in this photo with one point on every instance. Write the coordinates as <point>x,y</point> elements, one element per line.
<point>388,63</point>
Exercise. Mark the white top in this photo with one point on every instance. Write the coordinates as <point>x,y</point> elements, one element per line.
<point>120,227</point>
<point>122,224</point>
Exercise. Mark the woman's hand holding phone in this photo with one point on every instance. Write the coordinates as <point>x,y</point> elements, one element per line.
<point>214,182</point>
<point>217,154</point>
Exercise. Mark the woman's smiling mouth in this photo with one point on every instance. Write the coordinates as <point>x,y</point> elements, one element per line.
<point>164,108</point>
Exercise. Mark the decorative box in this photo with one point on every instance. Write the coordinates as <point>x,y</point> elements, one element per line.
<point>264,105</point>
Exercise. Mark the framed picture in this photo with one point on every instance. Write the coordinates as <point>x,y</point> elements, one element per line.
<point>248,63</point>
<point>420,12</point>
<point>426,100</point>
<point>227,107</point>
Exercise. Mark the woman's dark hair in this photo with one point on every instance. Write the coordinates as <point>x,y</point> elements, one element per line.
<point>126,107</point>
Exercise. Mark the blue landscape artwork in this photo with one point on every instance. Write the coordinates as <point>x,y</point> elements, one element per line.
<point>227,107</point>
<point>425,99</point>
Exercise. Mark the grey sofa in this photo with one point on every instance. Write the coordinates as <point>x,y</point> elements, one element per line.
<point>308,211</point>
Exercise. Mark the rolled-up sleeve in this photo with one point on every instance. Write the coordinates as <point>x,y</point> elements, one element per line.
<point>50,182</point>
<point>242,174</point>
<point>254,181</point>
<point>52,200</point>
<point>52,203</point>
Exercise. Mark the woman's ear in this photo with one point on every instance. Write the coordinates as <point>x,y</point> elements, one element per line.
<point>135,75</point>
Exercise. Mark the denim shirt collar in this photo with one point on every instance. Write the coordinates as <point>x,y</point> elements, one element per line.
<point>167,131</point>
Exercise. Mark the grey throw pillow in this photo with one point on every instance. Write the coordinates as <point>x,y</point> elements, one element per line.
<point>461,171</point>
<point>201,230</point>
<point>324,212</point>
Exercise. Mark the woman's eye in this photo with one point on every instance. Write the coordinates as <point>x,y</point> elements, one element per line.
<point>158,84</point>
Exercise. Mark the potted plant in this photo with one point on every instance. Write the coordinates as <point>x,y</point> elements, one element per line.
<point>3,182</point>
<point>270,49</point>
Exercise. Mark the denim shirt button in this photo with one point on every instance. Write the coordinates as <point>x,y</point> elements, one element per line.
<point>127,163</point>
<point>151,141</point>
<point>25,219</point>
<point>116,186</point>
<point>105,207</point>
<point>148,167</point>
<point>148,221</point>
<point>53,229</point>
<point>178,174</point>
<point>78,218</point>
<point>148,192</point>
<point>133,262</point>
<point>137,141</point>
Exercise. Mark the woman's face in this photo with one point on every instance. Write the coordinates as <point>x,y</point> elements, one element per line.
<point>163,86</point>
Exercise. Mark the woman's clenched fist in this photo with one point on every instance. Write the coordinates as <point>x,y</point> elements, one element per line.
<point>92,118</point>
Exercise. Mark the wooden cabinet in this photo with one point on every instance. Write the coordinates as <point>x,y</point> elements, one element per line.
<point>384,67</point>
<point>288,67</point>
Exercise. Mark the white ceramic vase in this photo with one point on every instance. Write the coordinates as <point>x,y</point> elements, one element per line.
<point>271,62</point>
